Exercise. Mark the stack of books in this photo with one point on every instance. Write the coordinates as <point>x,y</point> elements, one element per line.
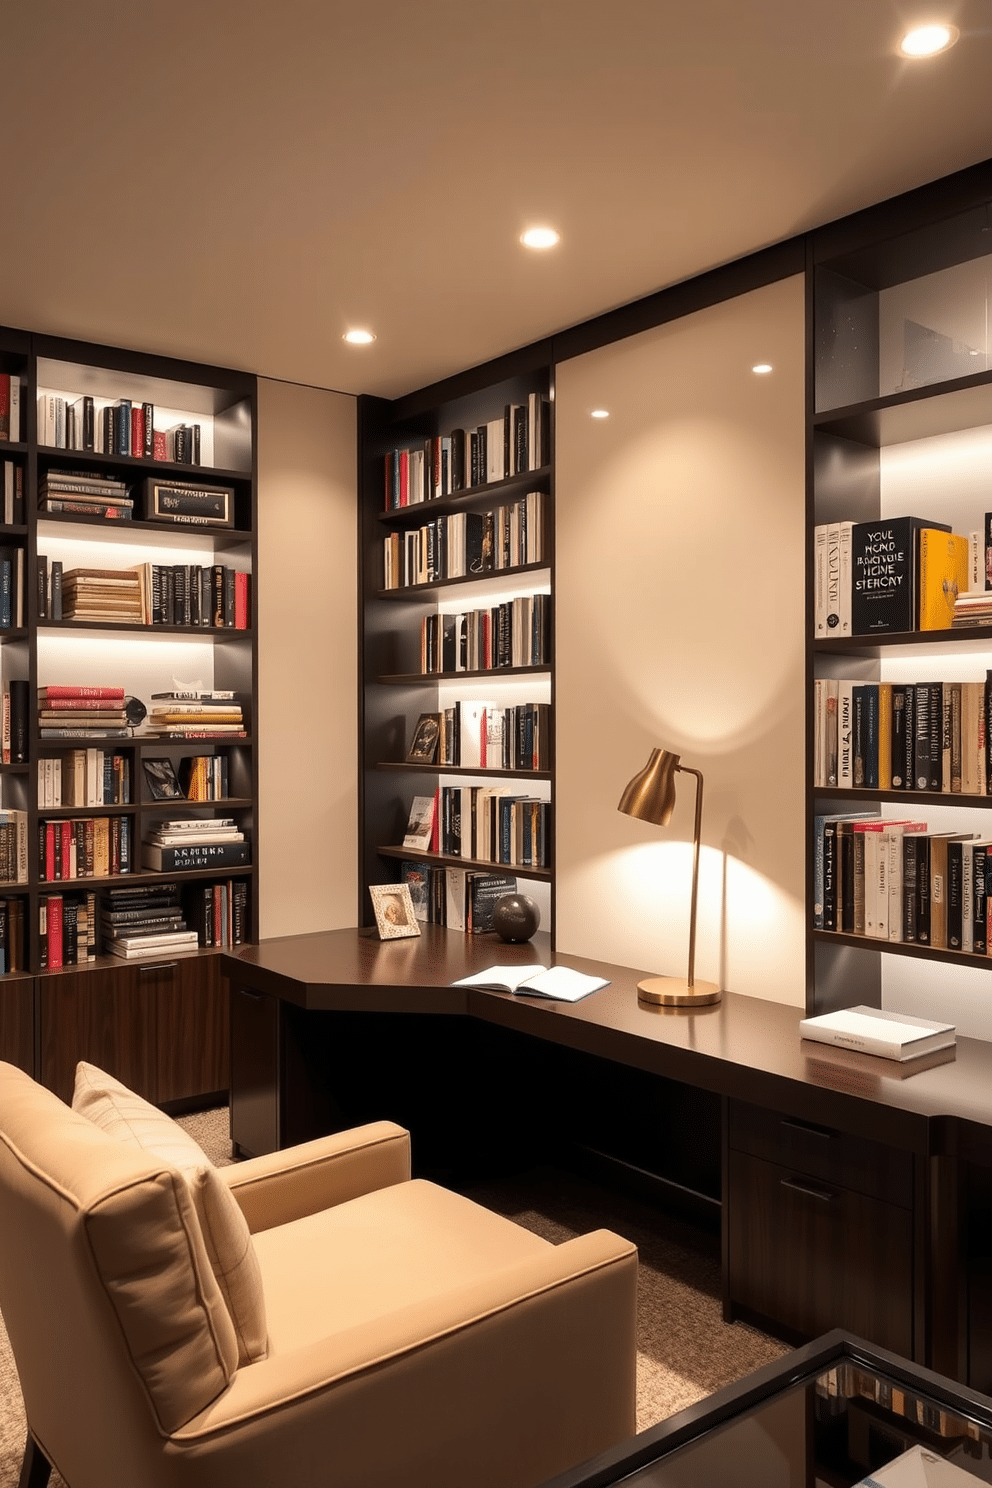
<point>81,712</point>
<point>194,843</point>
<point>103,594</point>
<point>82,493</point>
<point>972,609</point>
<point>144,920</point>
<point>203,716</point>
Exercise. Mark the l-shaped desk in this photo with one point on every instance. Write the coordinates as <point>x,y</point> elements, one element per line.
<point>848,1197</point>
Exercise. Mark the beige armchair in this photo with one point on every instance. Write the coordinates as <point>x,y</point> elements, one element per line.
<point>370,1331</point>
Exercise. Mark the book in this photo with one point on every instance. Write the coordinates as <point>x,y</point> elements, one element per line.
<point>558,982</point>
<point>943,575</point>
<point>420,824</point>
<point>884,573</point>
<point>169,859</point>
<point>874,1031</point>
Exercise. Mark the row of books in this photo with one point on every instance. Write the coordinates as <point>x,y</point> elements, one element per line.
<point>516,443</point>
<point>897,881</point>
<point>10,407</point>
<point>458,898</point>
<point>13,846</point>
<point>490,824</point>
<point>11,588</point>
<point>84,777</point>
<point>189,843</point>
<point>84,847</point>
<point>67,929</point>
<point>930,736</point>
<point>121,427</point>
<point>514,633</point>
<point>220,913</point>
<point>200,595</point>
<point>199,777</point>
<point>13,494</point>
<point>467,544</point>
<point>897,574</point>
<point>66,712</point>
<point>484,735</point>
<point>13,954</point>
<point>85,494</point>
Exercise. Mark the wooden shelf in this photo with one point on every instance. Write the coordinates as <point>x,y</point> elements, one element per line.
<point>487,770</point>
<point>901,948</point>
<point>412,855</point>
<point>472,496</point>
<point>409,590</point>
<point>918,413</point>
<point>495,674</point>
<point>977,638</point>
<point>908,798</point>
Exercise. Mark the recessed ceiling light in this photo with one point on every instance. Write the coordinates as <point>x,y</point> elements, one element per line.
<point>600,413</point>
<point>927,41</point>
<point>358,338</point>
<point>762,368</point>
<point>540,237</point>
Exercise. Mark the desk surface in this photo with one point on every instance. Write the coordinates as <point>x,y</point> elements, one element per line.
<point>743,1047</point>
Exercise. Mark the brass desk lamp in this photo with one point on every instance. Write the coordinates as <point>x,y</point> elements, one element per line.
<point>650,797</point>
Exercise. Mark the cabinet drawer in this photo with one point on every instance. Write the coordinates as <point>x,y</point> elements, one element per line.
<point>823,1152</point>
<point>812,1257</point>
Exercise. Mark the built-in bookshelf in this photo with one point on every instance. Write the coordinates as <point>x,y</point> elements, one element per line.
<point>130,669</point>
<point>900,419</point>
<point>457,649</point>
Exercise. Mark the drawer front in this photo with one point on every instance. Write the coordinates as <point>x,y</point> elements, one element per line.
<point>812,1256</point>
<point>871,1168</point>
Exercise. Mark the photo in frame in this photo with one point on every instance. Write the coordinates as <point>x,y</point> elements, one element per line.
<point>423,745</point>
<point>163,783</point>
<point>394,913</point>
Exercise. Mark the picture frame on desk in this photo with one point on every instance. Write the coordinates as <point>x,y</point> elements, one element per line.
<point>394,913</point>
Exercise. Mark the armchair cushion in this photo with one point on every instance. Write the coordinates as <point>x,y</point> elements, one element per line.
<point>129,1119</point>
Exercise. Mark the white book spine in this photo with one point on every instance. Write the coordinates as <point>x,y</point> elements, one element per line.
<point>845,733</point>
<point>820,579</point>
<point>846,529</point>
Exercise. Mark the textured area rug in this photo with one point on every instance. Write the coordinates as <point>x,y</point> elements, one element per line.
<point>684,1348</point>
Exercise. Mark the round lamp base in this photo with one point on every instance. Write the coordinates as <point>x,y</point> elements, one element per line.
<point>675,992</point>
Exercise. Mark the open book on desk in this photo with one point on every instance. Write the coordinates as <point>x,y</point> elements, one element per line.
<point>558,982</point>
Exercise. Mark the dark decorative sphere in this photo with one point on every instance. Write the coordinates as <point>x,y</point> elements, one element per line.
<point>515,917</point>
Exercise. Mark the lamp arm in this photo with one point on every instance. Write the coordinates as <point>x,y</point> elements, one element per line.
<point>697,829</point>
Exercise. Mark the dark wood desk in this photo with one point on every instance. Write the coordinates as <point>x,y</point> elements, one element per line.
<point>847,1197</point>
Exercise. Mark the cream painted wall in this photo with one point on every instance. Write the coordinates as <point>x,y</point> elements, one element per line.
<point>679,622</point>
<point>307,659</point>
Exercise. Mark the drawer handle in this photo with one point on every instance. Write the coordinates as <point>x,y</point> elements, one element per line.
<point>247,992</point>
<point>145,969</point>
<point>809,1129</point>
<point>811,1190</point>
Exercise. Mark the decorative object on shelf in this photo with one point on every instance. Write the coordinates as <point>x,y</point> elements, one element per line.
<point>515,917</point>
<point>394,912</point>
<point>162,780</point>
<point>650,797</point>
<point>423,745</point>
<point>188,505</point>
<point>134,711</point>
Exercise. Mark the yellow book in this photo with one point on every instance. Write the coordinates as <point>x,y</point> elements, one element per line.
<point>943,575</point>
<point>885,736</point>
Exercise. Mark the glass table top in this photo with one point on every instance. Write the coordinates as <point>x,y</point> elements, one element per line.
<point>845,1425</point>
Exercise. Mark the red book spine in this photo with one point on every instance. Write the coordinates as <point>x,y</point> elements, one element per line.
<point>49,851</point>
<point>240,600</point>
<point>436,825</point>
<point>160,445</point>
<point>82,692</point>
<point>137,431</point>
<point>54,918</point>
<point>4,405</point>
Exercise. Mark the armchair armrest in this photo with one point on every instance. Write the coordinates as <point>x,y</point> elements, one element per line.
<point>282,1186</point>
<point>547,1343</point>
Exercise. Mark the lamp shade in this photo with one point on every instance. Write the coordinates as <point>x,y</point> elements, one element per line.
<point>650,796</point>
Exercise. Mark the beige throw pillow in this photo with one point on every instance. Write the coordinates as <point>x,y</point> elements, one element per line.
<point>129,1119</point>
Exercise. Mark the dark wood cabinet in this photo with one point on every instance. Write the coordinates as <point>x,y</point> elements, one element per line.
<point>820,1229</point>
<point>160,1027</point>
<point>17,1021</point>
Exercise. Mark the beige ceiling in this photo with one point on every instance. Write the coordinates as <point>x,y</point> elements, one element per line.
<point>239,182</point>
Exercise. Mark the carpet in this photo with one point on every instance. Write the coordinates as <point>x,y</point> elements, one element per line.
<point>684,1348</point>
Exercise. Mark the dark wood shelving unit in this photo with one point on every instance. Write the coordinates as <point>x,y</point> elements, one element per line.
<point>160,1025</point>
<point>394,690</point>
